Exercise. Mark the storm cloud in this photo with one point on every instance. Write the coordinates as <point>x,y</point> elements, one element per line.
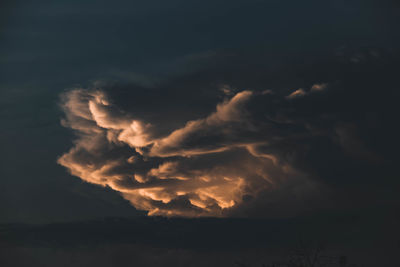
<point>274,150</point>
<point>242,131</point>
<point>204,168</point>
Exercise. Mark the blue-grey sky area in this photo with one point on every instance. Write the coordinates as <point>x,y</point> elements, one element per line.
<point>298,98</point>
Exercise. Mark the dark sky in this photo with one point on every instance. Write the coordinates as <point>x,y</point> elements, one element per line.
<point>292,109</point>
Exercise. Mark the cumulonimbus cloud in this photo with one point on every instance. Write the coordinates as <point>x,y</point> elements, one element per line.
<point>208,167</point>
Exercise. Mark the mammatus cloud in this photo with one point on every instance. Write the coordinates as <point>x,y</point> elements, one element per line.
<point>208,167</point>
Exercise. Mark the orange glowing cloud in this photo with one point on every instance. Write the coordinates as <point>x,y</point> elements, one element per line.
<point>205,168</point>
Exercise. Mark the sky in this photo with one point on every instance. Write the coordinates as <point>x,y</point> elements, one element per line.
<point>201,113</point>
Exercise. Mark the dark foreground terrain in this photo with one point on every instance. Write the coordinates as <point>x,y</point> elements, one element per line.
<point>346,240</point>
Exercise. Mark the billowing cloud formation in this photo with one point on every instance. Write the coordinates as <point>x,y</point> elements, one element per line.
<point>208,167</point>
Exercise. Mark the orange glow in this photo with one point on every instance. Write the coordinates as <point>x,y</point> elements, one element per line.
<point>161,175</point>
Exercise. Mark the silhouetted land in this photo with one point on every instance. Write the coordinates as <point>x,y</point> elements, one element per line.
<point>213,240</point>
